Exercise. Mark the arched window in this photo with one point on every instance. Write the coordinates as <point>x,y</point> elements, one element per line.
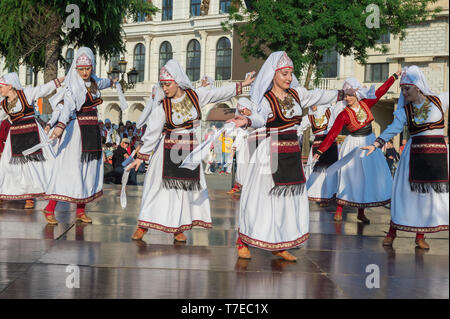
<point>193,60</point>
<point>223,59</point>
<point>165,53</point>
<point>139,61</point>
<point>167,7</point>
<point>69,59</point>
<point>114,61</point>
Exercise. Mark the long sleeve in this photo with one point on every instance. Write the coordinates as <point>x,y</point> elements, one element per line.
<point>382,90</point>
<point>103,83</point>
<point>153,132</point>
<point>223,93</point>
<point>304,125</point>
<point>396,126</point>
<point>309,98</point>
<point>444,101</point>
<point>339,123</point>
<point>56,115</point>
<point>34,93</point>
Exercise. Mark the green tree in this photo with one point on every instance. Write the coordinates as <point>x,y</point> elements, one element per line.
<point>309,29</point>
<point>33,32</point>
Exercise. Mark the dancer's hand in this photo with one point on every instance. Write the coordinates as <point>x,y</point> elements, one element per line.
<point>249,80</point>
<point>47,128</point>
<point>369,148</point>
<point>399,73</point>
<point>239,121</point>
<point>136,163</point>
<point>316,157</point>
<point>57,132</point>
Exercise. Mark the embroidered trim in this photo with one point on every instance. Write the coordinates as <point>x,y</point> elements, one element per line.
<point>22,127</point>
<point>239,88</point>
<point>143,157</point>
<point>172,230</point>
<point>319,199</point>
<point>68,199</point>
<point>61,125</point>
<point>270,246</point>
<point>380,141</point>
<point>361,205</point>
<point>19,197</point>
<point>413,229</point>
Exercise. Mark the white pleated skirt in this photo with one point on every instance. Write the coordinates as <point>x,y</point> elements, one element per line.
<point>25,181</point>
<point>323,187</point>
<point>267,221</point>
<point>72,180</point>
<point>172,210</point>
<point>242,159</point>
<point>365,181</point>
<point>416,212</point>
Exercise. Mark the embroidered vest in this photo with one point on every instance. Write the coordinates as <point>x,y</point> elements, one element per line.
<point>354,123</point>
<point>415,128</point>
<point>167,104</point>
<point>317,129</point>
<point>26,110</point>
<point>279,121</point>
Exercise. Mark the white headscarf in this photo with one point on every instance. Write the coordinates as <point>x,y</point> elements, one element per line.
<point>11,79</point>
<point>362,93</point>
<point>264,80</point>
<point>153,101</point>
<point>413,75</point>
<point>74,92</point>
<point>176,72</point>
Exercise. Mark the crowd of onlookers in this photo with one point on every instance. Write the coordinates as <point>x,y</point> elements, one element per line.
<point>118,143</point>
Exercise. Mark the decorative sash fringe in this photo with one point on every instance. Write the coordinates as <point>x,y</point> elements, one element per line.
<point>185,185</point>
<point>320,168</point>
<point>426,187</point>
<point>19,160</point>
<point>90,156</point>
<point>287,190</point>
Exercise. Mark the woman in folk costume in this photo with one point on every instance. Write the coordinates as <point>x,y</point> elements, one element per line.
<point>323,188</point>
<point>77,175</point>
<point>363,182</point>
<point>274,208</point>
<point>176,199</point>
<point>420,190</point>
<point>240,147</point>
<point>24,177</point>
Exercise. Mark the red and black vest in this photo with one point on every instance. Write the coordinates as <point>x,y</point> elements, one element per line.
<point>279,121</point>
<point>167,105</point>
<point>317,129</point>
<point>414,128</point>
<point>354,123</point>
<point>26,110</point>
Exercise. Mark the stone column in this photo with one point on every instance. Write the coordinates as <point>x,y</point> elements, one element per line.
<point>148,40</point>
<point>204,36</point>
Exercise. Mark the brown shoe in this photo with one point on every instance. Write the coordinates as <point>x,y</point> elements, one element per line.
<point>337,217</point>
<point>139,233</point>
<point>244,253</point>
<point>29,203</point>
<point>50,218</point>
<point>180,237</point>
<point>421,243</point>
<point>84,218</point>
<point>285,255</point>
<point>388,241</point>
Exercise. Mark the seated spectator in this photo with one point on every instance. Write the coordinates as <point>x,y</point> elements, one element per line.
<point>119,156</point>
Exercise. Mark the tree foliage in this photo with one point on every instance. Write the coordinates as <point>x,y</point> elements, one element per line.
<point>309,29</point>
<point>27,26</point>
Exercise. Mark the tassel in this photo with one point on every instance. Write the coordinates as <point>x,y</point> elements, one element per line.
<point>319,168</point>
<point>36,157</point>
<point>90,156</point>
<point>185,185</point>
<point>426,187</point>
<point>289,190</point>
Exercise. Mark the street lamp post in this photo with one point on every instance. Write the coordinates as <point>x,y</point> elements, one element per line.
<point>115,73</point>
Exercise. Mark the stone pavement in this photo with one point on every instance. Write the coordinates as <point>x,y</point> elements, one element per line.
<point>332,264</point>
